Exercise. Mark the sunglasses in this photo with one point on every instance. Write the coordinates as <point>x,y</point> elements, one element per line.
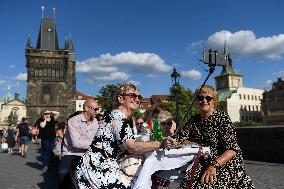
<point>140,124</point>
<point>94,109</point>
<point>133,95</point>
<point>208,98</point>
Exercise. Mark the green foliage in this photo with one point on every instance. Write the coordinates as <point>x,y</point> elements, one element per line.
<point>247,123</point>
<point>185,97</point>
<point>107,97</point>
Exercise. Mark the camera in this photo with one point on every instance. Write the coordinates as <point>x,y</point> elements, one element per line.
<point>214,58</point>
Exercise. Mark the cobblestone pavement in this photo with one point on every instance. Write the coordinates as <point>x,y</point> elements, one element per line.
<point>25,173</point>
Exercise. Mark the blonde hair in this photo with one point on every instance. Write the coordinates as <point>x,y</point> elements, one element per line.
<point>164,116</point>
<point>209,90</point>
<point>125,87</point>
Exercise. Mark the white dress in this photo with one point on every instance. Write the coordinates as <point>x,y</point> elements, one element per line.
<point>98,167</point>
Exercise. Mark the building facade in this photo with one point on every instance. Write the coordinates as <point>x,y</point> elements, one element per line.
<point>273,104</point>
<point>51,82</point>
<point>241,103</point>
<point>80,99</point>
<point>12,109</point>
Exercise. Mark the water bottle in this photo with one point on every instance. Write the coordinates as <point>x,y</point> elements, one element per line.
<point>145,132</point>
<point>157,133</point>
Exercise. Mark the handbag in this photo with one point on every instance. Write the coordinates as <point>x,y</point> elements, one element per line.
<point>131,164</point>
<point>4,146</point>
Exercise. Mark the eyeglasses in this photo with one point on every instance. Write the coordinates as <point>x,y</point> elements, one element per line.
<point>133,95</point>
<point>94,109</point>
<point>208,98</point>
<point>139,123</point>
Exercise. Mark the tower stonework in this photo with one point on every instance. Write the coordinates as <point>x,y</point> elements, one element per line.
<point>51,79</point>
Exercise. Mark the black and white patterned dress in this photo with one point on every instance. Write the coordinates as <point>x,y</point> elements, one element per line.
<point>98,167</point>
<point>219,134</point>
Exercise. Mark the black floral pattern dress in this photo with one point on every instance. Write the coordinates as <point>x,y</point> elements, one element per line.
<point>98,167</point>
<point>219,134</point>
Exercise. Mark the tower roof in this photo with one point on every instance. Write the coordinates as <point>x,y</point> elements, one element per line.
<point>228,69</point>
<point>70,46</point>
<point>47,38</point>
<point>7,96</point>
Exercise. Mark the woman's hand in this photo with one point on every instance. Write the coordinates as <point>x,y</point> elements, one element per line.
<point>209,175</point>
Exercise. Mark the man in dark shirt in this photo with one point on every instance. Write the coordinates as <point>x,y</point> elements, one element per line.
<point>47,134</point>
<point>23,132</point>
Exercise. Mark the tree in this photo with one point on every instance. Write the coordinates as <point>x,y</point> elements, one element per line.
<point>107,97</point>
<point>185,97</point>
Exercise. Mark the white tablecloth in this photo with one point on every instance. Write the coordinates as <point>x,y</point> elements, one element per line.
<point>166,160</point>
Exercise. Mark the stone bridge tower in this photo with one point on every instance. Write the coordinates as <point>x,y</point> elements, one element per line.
<point>51,79</point>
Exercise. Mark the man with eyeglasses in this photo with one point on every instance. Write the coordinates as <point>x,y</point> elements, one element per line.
<point>79,134</point>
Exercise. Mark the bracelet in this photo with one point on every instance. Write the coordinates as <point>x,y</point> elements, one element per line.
<point>215,164</point>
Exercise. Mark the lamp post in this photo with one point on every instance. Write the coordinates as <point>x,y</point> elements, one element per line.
<point>175,79</point>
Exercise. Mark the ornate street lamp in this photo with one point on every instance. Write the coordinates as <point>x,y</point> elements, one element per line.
<point>175,79</point>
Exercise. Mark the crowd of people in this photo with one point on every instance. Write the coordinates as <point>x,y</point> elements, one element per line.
<point>91,146</point>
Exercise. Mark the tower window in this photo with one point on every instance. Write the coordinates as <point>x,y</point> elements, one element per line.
<point>240,96</point>
<point>52,73</point>
<point>57,73</point>
<point>36,72</point>
<point>40,73</point>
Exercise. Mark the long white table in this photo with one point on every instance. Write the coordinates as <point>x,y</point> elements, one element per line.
<point>166,160</point>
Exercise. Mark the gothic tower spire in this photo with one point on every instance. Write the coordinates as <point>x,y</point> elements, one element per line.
<point>47,38</point>
<point>228,79</point>
<point>28,42</point>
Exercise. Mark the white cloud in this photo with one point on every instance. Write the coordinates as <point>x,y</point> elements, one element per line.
<point>116,76</point>
<point>280,74</point>
<point>21,77</point>
<point>109,67</point>
<point>191,74</point>
<point>245,43</point>
<point>12,66</point>
<point>136,83</point>
<point>268,84</point>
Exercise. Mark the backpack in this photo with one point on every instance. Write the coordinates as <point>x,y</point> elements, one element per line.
<point>23,129</point>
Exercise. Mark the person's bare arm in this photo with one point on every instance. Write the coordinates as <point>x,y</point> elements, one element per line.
<point>17,134</point>
<point>43,123</point>
<point>210,172</point>
<point>55,114</point>
<point>142,147</point>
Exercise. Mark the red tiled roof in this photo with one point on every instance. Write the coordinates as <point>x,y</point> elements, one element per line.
<point>82,96</point>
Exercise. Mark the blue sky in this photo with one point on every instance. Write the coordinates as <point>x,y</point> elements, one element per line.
<point>142,40</point>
